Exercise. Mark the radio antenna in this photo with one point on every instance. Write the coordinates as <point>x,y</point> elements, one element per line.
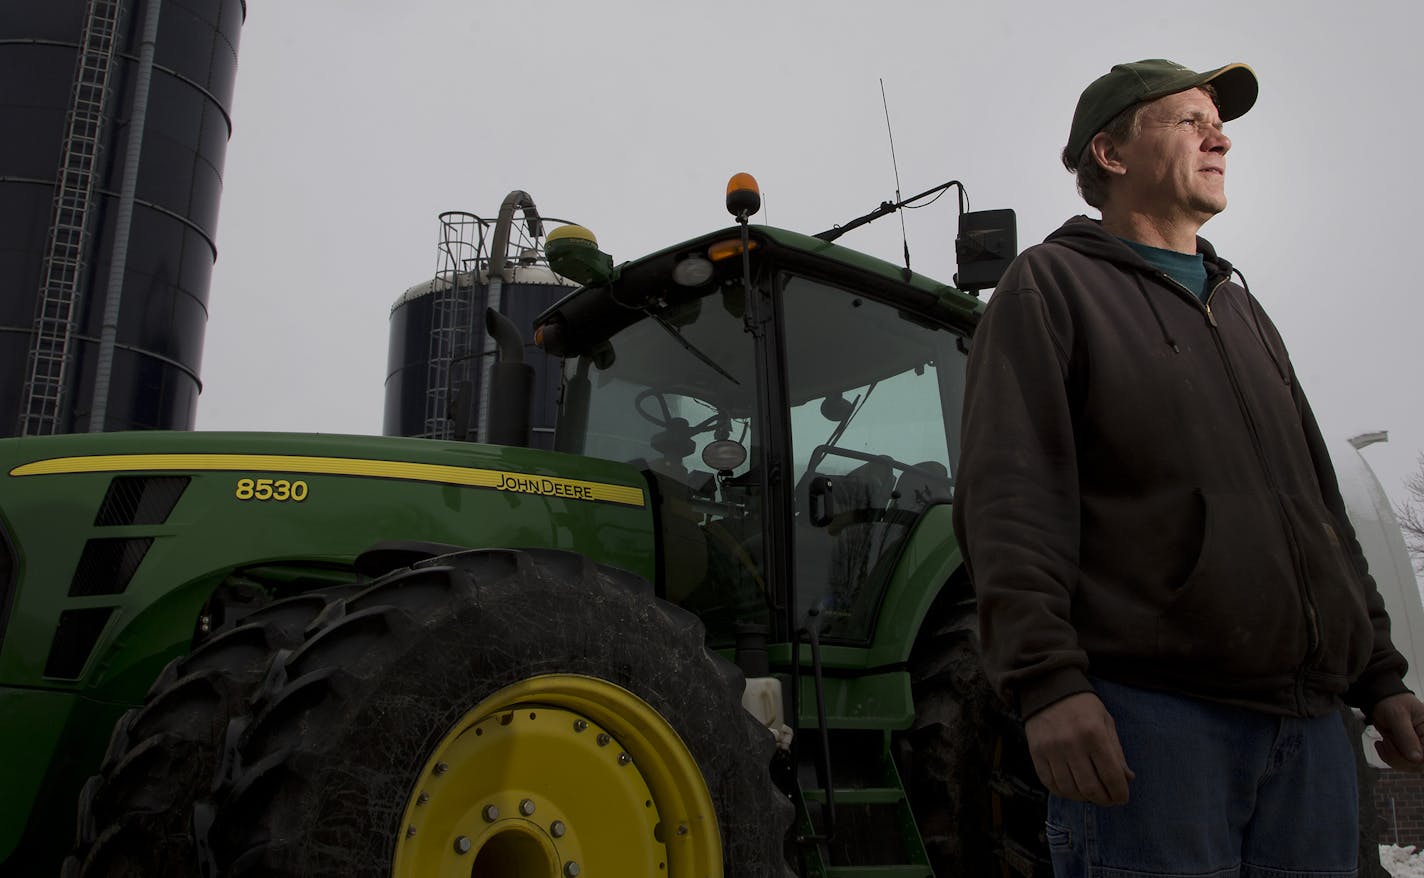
<point>904,235</point>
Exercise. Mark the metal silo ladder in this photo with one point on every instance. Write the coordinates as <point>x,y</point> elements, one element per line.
<point>456,272</point>
<point>40,412</point>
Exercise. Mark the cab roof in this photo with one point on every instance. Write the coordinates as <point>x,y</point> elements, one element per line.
<point>592,313</point>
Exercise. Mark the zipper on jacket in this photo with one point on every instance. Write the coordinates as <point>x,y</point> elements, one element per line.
<point>1204,305</point>
<point>1312,616</point>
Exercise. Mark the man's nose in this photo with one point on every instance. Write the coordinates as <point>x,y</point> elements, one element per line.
<point>1216,141</point>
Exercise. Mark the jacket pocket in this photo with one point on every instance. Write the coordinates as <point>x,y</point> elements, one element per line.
<point>1239,611</point>
<point>1336,588</point>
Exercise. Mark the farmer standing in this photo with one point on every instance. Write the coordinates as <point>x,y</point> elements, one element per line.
<point>1170,592</point>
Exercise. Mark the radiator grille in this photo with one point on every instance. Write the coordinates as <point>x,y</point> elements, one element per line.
<point>140,500</point>
<point>107,565</point>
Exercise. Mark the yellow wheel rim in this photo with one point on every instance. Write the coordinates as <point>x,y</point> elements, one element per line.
<point>560,776</point>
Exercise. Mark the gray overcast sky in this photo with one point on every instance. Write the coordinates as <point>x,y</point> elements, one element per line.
<point>357,122</point>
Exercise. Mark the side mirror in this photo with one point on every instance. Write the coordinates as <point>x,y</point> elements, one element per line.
<point>987,243</point>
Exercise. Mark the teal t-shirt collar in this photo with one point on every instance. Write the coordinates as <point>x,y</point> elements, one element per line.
<point>1187,269</point>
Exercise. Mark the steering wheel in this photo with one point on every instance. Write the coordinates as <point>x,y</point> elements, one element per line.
<point>739,551</point>
<point>664,417</point>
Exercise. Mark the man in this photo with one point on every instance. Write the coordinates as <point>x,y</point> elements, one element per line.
<point>1170,592</point>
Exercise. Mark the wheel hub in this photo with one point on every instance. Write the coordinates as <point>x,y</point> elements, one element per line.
<point>559,777</point>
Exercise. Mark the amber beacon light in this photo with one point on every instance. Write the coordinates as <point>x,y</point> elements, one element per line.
<point>743,195</point>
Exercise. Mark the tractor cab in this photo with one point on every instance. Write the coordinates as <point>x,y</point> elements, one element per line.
<point>794,405</point>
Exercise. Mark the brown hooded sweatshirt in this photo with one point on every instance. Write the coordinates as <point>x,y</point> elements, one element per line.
<point>1143,495</point>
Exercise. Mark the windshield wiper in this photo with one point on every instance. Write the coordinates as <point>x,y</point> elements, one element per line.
<point>691,348</point>
<point>855,410</point>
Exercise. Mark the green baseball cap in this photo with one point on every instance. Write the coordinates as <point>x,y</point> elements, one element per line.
<point>1128,84</point>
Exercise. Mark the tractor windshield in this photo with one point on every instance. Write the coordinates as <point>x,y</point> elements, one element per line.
<point>658,393</point>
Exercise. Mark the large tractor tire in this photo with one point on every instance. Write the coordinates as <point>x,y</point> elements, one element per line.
<point>500,713</point>
<point>135,815</point>
<point>979,806</point>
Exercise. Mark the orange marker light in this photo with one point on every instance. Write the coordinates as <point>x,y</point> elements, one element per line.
<point>727,249</point>
<point>743,195</point>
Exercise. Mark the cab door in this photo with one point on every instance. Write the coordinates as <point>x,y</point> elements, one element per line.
<point>874,393</point>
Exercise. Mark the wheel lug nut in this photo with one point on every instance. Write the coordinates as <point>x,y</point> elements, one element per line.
<point>603,740</point>
<point>490,813</point>
<point>423,799</point>
<point>624,758</point>
<point>526,807</point>
<point>463,845</point>
<point>571,869</point>
<point>441,768</point>
<point>580,725</point>
<point>557,829</point>
<point>410,832</point>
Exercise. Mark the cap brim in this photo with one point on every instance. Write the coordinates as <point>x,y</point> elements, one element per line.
<point>1236,89</point>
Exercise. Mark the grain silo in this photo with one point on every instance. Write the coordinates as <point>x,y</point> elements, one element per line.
<point>440,357</point>
<point>116,121</point>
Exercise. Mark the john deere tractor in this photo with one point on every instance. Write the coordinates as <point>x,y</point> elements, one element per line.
<point>722,629</point>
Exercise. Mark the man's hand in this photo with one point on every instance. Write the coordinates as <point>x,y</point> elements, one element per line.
<point>1400,720</point>
<point>1076,753</point>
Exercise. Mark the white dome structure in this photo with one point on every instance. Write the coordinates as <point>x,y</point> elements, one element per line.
<point>1378,531</point>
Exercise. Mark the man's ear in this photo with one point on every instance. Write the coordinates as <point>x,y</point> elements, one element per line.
<point>1105,152</point>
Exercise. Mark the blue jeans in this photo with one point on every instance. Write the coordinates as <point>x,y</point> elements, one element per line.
<point>1220,792</point>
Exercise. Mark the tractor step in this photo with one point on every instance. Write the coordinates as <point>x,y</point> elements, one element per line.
<point>879,872</point>
<point>859,796</point>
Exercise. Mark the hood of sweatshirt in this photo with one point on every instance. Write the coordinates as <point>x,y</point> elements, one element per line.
<point>1087,236</point>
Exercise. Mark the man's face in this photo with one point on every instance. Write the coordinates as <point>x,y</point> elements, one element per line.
<point>1176,164</point>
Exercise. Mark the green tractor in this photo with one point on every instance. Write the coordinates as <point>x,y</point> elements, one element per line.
<point>722,629</point>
